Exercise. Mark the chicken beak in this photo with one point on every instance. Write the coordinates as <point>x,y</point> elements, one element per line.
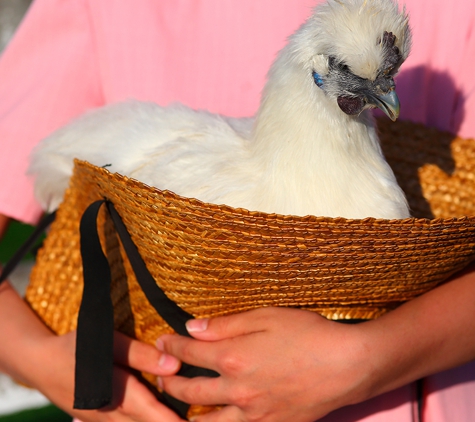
<point>388,103</point>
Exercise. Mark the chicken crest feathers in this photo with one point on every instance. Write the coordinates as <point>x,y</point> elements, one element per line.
<point>352,31</point>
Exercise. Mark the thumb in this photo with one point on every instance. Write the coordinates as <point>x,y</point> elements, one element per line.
<point>224,327</point>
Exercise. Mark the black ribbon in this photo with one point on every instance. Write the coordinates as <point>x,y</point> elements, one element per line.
<point>94,348</point>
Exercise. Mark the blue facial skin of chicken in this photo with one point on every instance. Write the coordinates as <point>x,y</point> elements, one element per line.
<point>357,92</point>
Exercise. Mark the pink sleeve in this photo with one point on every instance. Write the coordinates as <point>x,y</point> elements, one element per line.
<point>48,75</point>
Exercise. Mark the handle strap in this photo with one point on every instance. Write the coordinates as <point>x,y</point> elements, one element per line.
<point>94,348</point>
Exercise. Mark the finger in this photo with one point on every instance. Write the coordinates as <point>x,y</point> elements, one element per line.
<point>194,352</point>
<point>220,328</point>
<point>198,390</point>
<point>143,357</point>
<point>137,402</point>
<point>226,414</point>
<point>132,401</point>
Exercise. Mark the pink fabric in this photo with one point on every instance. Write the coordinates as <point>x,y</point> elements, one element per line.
<point>77,54</point>
<point>450,395</point>
<point>69,56</point>
<point>437,85</point>
<point>72,55</point>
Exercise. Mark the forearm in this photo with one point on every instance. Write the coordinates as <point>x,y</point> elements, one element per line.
<point>429,334</point>
<point>21,333</point>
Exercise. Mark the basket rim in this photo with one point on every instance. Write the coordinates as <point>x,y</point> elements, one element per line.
<point>260,215</point>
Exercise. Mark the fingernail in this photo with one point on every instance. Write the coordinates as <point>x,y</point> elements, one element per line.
<point>197,325</point>
<point>168,362</point>
<point>160,383</point>
<point>160,345</point>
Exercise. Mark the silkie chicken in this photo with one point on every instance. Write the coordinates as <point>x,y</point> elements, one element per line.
<point>312,148</point>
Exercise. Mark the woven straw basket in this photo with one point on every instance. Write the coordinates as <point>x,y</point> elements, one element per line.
<point>216,260</point>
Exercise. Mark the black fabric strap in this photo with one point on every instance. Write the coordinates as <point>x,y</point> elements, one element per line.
<point>94,353</point>
<point>27,246</point>
<point>165,307</point>
<point>95,328</point>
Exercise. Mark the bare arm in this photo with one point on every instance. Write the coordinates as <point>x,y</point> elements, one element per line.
<point>427,335</point>
<point>286,364</point>
<point>30,353</point>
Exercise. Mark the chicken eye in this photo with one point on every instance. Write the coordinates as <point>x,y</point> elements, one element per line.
<point>341,66</point>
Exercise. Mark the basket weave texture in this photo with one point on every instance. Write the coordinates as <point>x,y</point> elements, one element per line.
<point>216,260</point>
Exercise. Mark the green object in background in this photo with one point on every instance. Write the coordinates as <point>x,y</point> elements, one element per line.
<point>43,414</point>
<point>15,236</point>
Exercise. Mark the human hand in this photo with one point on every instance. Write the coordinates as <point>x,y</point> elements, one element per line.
<point>276,364</point>
<point>132,400</point>
<point>33,355</point>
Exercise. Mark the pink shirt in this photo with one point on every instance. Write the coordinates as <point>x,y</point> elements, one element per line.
<point>72,55</point>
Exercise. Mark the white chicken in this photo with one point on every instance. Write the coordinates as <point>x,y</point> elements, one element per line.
<point>312,148</point>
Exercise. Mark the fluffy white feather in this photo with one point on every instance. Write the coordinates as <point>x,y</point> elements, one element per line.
<point>300,155</point>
